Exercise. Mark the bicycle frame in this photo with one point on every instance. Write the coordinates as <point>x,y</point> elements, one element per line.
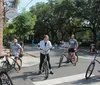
<point>9,62</point>
<point>9,65</point>
<point>45,59</point>
<point>95,58</point>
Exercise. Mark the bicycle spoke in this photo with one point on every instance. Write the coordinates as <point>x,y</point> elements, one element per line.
<point>5,79</point>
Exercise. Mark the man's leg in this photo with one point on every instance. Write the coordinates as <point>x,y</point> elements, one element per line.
<point>48,58</point>
<point>41,61</point>
<point>17,61</point>
<point>67,55</point>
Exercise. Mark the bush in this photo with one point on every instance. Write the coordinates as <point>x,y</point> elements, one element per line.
<point>6,44</point>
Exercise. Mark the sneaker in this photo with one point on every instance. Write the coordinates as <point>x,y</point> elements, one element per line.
<point>51,72</point>
<point>39,72</point>
<point>19,71</point>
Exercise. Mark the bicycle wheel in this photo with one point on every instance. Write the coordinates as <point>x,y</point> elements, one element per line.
<point>46,70</point>
<point>18,64</point>
<point>5,79</point>
<point>89,70</point>
<point>6,66</point>
<point>61,59</point>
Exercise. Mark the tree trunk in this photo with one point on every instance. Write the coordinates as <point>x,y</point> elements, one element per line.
<point>1,26</point>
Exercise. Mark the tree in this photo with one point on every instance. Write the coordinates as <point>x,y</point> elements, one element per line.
<point>62,18</point>
<point>8,31</point>
<point>24,24</point>
<point>92,16</point>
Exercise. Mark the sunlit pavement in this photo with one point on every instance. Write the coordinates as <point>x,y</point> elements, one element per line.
<point>67,74</point>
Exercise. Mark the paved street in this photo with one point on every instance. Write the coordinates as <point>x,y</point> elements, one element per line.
<point>67,74</point>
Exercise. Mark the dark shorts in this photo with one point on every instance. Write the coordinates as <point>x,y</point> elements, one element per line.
<point>20,55</point>
<point>71,50</point>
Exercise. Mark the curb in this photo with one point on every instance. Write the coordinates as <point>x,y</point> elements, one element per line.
<point>31,55</point>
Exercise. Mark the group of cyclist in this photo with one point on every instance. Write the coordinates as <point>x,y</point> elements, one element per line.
<point>16,50</point>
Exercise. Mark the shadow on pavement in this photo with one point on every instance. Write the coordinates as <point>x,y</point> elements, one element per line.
<point>56,67</point>
<point>33,76</point>
<point>25,75</point>
<point>94,79</point>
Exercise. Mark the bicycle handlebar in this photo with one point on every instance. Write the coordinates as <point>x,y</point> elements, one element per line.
<point>45,50</point>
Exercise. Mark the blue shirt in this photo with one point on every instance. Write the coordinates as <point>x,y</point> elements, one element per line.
<point>73,43</point>
<point>15,48</point>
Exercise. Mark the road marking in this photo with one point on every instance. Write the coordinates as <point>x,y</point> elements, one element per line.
<point>61,80</point>
<point>96,83</point>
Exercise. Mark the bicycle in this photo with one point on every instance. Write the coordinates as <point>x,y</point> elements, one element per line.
<point>16,63</point>
<point>71,57</point>
<point>45,65</point>
<point>4,77</point>
<point>90,68</point>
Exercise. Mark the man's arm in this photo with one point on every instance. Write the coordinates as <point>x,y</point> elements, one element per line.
<point>21,49</point>
<point>41,45</point>
<point>76,44</point>
<point>50,45</point>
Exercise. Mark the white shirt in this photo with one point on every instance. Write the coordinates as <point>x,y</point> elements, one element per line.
<point>45,47</point>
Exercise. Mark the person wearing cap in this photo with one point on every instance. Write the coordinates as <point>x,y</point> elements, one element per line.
<point>16,49</point>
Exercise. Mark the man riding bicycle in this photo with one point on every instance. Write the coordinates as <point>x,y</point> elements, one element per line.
<point>45,45</point>
<point>15,50</point>
<point>73,45</point>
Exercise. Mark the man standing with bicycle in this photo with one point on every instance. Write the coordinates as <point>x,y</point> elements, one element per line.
<point>15,50</point>
<point>73,45</point>
<point>45,45</point>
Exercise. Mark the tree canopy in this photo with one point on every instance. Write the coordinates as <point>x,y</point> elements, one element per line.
<point>60,19</point>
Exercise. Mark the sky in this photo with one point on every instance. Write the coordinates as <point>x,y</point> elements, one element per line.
<point>23,3</point>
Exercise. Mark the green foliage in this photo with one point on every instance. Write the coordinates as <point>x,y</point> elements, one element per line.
<point>21,26</point>
<point>24,24</point>
<point>59,19</point>
<point>62,18</point>
<point>8,35</point>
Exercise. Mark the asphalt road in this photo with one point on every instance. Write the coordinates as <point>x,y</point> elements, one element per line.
<point>67,74</point>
